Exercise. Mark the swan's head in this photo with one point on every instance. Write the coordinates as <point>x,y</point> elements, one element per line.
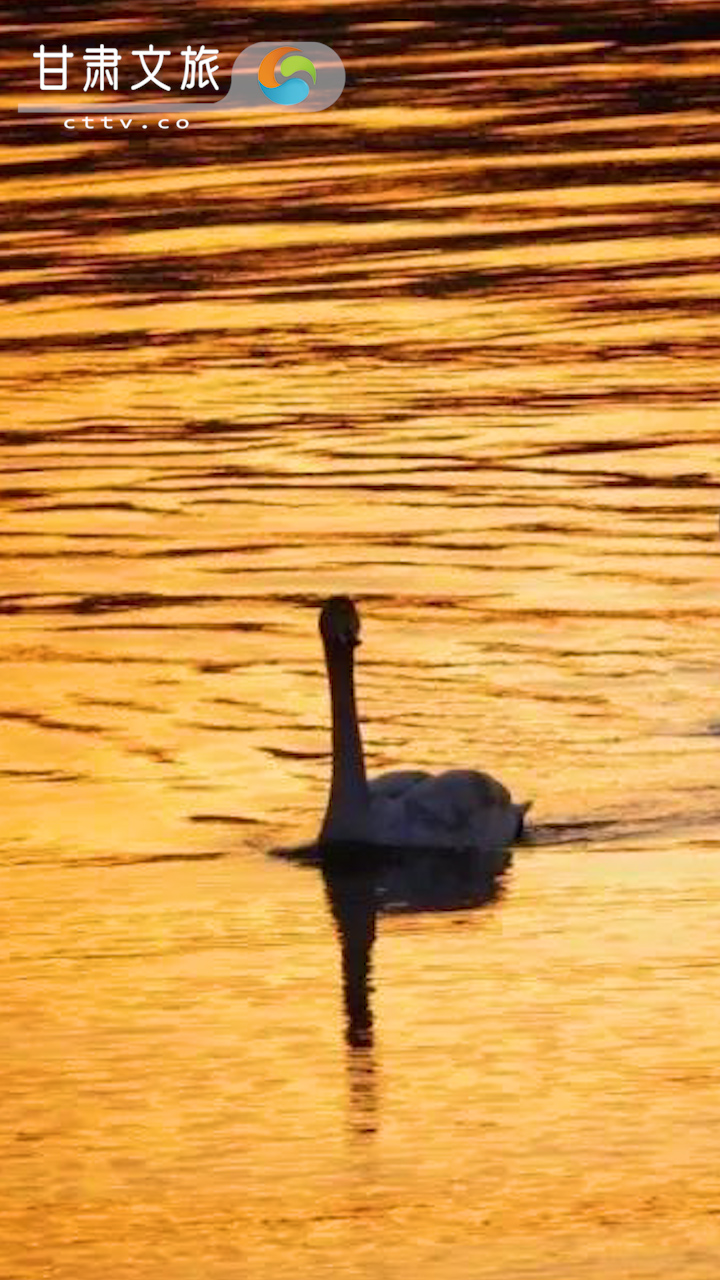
<point>340,622</point>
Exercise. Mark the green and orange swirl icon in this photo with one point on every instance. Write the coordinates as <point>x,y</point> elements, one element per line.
<point>292,90</point>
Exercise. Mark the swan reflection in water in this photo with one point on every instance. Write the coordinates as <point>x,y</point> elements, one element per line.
<point>363,880</point>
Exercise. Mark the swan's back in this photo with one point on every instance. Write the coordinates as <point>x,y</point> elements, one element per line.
<point>459,809</point>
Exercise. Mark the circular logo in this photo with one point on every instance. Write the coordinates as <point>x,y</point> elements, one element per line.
<point>291,89</point>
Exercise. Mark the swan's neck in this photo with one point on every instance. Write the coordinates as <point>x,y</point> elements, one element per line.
<point>347,816</point>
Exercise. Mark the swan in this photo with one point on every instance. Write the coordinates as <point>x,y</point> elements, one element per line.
<point>460,809</point>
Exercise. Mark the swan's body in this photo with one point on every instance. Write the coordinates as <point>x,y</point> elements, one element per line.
<point>459,809</point>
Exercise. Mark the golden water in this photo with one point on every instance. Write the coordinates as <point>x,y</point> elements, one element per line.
<point>452,347</point>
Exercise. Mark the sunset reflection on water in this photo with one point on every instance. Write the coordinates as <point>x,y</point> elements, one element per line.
<point>450,347</point>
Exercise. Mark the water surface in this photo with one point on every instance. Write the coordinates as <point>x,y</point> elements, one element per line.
<point>450,347</point>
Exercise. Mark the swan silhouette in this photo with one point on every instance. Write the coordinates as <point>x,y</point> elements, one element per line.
<point>461,809</point>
